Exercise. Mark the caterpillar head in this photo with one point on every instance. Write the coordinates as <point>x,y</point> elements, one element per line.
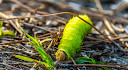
<point>60,56</point>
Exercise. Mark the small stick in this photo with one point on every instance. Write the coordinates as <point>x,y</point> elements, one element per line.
<point>99,6</point>
<point>50,44</point>
<point>120,48</point>
<point>121,8</point>
<point>20,41</point>
<point>33,11</point>
<point>11,22</point>
<point>75,63</point>
<point>116,28</point>
<point>109,26</point>
<point>19,50</point>
<point>96,39</point>
<point>126,46</point>
<point>44,28</point>
<point>14,42</point>
<point>104,19</point>
<point>46,34</point>
<point>10,66</point>
<point>107,33</point>
<point>67,13</point>
<point>100,65</point>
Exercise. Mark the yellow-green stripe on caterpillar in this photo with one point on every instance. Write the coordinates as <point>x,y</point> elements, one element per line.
<point>73,35</point>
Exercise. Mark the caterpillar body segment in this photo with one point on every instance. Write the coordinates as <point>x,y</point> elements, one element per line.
<point>73,35</point>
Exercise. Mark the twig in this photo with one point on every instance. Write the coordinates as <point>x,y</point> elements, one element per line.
<point>67,13</point>
<point>99,6</point>
<point>35,65</point>
<point>120,48</point>
<point>11,22</point>
<point>104,19</point>
<point>115,38</point>
<point>17,63</point>
<point>46,34</point>
<point>50,44</point>
<point>14,42</point>
<point>109,26</point>
<point>116,28</point>
<point>93,14</point>
<point>96,39</point>
<point>121,8</point>
<point>126,45</point>
<point>118,64</point>
<point>26,40</point>
<point>44,28</point>
<point>107,33</point>
<point>10,66</point>
<point>100,65</point>
<point>39,12</point>
<point>75,63</point>
<point>45,37</point>
<point>19,50</point>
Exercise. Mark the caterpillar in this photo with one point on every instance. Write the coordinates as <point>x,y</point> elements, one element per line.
<point>73,35</point>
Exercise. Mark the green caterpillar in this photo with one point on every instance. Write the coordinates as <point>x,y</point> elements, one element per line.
<point>73,35</point>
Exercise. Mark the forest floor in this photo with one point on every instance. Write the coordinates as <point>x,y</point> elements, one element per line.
<point>38,18</point>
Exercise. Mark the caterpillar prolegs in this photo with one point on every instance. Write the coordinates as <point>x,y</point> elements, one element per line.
<point>73,35</point>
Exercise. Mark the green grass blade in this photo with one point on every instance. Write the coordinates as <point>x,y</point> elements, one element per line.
<point>46,58</point>
<point>24,58</point>
<point>81,60</point>
<point>28,59</point>
<point>1,24</point>
<point>1,33</point>
<point>34,41</point>
<point>37,42</point>
<point>8,33</point>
